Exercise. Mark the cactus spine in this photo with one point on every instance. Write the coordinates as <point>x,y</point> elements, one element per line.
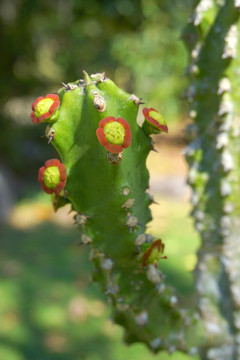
<point>213,157</point>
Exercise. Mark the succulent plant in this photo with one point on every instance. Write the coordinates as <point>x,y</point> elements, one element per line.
<point>103,174</point>
<point>212,36</point>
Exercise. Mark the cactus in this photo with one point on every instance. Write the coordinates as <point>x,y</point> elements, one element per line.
<point>213,157</point>
<point>92,124</point>
<point>102,174</point>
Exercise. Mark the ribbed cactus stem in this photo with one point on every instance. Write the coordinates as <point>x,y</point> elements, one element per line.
<point>214,174</point>
<point>103,152</point>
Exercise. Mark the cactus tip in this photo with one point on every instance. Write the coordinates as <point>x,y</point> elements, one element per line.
<point>87,78</point>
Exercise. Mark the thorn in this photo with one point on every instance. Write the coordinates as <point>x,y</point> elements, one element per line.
<point>152,147</point>
<point>65,85</point>
<point>49,133</point>
<point>149,238</point>
<point>69,86</point>
<point>50,139</point>
<point>135,99</point>
<point>141,103</point>
<point>66,193</point>
<point>151,198</point>
<point>87,78</point>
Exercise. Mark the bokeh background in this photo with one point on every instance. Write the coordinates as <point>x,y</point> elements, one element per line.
<point>49,308</point>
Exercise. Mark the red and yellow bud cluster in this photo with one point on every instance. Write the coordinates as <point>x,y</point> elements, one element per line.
<point>52,176</point>
<point>154,253</point>
<point>44,108</point>
<point>154,122</point>
<point>114,134</point>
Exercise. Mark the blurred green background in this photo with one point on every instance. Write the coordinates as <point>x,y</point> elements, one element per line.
<point>48,307</point>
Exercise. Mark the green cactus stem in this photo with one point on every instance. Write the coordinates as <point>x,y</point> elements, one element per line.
<point>104,152</point>
<point>213,157</point>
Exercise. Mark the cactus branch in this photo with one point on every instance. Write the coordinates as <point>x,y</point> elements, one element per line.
<point>214,171</point>
<point>104,152</point>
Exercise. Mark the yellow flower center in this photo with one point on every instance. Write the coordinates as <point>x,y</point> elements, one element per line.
<point>155,256</point>
<point>157,116</point>
<point>114,132</point>
<point>51,177</point>
<point>43,107</point>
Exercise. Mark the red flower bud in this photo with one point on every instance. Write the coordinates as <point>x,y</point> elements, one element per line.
<point>44,108</point>
<point>155,120</point>
<point>154,253</point>
<point>52,176</point>
<point>114,134</point>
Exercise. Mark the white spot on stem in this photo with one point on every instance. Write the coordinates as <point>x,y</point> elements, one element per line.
<point>225,188</point>
<point>203,6</point>
<point>125,191</point>
<point>128,203</point>
<point>231,41</point>
<point>227,161</point>
<point>226,107</point>
<point>86,239</point>
<point>173,300</point>
<point>154,275</point>
<point>142,318</point>
<point>192,147</point>
<point>132,221</point>
<point>228,207</point>
<point>140,239</point>
<point>224,86</point>
<point>199,215</point>
<point>221,140</point>
<point>155,343</point>
<point>107,264</point>
<point>237,4</point>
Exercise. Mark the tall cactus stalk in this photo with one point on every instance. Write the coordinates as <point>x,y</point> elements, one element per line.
<point>214,175</point>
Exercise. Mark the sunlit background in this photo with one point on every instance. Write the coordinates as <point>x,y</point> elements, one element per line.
<point>49,308</point>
